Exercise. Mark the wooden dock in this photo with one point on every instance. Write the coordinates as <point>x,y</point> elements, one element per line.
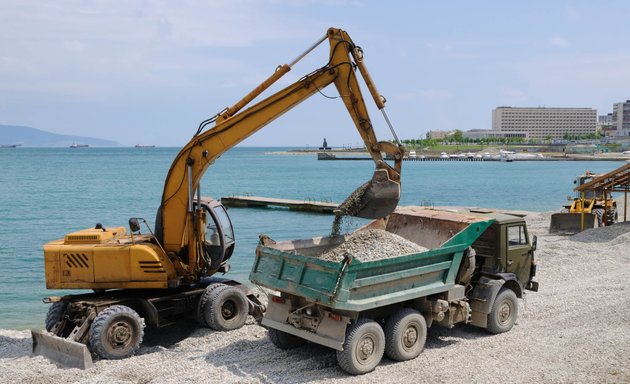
<point>266,202</point>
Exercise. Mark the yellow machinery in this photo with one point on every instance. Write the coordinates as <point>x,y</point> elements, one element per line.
<point>587,208</point>
<point>156,277</point>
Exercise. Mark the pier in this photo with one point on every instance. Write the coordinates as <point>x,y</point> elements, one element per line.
<point>330,156</point>
<point>266,202</point>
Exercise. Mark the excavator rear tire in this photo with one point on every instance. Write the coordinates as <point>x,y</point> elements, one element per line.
<point>116,332</point>
<point>53,316</point>
<point>227,308</point>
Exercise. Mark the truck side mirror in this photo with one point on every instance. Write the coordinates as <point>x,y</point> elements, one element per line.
<point>534,242</point>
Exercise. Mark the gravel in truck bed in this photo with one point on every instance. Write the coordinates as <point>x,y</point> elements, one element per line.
<point>373,244</point>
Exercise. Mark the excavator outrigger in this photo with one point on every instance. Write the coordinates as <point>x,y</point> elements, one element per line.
<point>154,278</point>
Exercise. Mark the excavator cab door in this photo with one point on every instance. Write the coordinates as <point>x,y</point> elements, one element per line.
<point>219,242</point>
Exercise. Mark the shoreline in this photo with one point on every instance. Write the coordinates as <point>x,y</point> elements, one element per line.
<point>432,155</point>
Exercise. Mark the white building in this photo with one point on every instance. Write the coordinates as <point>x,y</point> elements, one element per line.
<point>493,134</point>
<point>543,123</point>
<point>621,118</point>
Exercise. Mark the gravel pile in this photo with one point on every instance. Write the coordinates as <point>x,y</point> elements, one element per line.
<point>372,244</point>
<point>574,330</point>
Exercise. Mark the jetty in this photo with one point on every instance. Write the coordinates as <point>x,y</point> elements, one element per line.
<point>267,202</point>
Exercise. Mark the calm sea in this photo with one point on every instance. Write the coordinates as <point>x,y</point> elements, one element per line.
<point>46,193</point>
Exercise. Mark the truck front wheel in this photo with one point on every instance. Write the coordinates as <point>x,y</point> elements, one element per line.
<point>363,348</point>
<point>116,332</point>
<point>285,340</point>
<point>504,312</point>
<point>405,334</point>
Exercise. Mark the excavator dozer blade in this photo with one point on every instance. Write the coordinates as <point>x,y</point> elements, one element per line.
<point>66,352</point>
<point>373,200</point>
<point>570,223</point>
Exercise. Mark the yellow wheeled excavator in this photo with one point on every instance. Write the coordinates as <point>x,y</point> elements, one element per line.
<point>153,278</point>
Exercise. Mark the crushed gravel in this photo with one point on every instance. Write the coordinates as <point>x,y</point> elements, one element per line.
<point>574,330</point>
<point>372,244</point>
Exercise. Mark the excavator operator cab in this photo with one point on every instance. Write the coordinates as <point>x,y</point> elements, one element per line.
<point>219,243</point>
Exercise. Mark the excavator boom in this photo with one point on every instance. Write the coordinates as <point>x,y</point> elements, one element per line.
<point>175,224</point>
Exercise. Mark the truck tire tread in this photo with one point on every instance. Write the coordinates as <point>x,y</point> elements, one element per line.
<point>504,312</point>
<point>363,330</point>
<point>405,334</point>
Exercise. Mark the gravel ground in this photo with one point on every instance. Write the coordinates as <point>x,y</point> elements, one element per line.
<point>575,330</point>
<point>373,244</point>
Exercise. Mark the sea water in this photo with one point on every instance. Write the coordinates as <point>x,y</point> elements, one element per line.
<point>48,192</point>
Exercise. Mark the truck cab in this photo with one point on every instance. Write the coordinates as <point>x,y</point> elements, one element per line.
<point>506,250</point>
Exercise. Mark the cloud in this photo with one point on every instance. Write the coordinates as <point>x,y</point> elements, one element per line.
<point>436,94</point>
<point>558,41</point>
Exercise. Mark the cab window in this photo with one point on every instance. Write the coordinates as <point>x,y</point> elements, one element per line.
<point>226,224</point>
<point>517,236</point>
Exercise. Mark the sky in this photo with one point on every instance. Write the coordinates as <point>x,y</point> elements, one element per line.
<point>148,72</point>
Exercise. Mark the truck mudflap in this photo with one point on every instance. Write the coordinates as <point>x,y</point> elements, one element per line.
<point>66,352</point>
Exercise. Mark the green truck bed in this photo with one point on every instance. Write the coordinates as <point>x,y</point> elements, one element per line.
<point>293,267</point>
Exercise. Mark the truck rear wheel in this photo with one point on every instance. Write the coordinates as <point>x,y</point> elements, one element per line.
<point>405,334</point>
<point>363,348</point>
<point>504,312</point>
<point>116,332</point>
<point>226,309</point>
<point>285,340</point>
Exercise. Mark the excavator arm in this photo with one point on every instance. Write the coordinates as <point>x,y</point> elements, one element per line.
<point>178,226</point>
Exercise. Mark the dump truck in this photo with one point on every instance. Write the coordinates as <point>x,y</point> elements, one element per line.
<point>475,267</point>
<point>586,209</point>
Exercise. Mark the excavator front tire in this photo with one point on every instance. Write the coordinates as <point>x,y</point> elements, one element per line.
<point>203,305</point>
<point>116,332</point>
<point>225,308</point>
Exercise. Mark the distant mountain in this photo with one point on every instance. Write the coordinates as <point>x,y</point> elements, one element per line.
<point>33,137</point>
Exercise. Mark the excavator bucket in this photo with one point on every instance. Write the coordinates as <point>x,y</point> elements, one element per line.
<point>66,352</point>
<point>373,200</point>
<point>570,223</point>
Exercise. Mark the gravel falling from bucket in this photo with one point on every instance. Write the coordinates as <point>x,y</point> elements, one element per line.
<point>349,207</point>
